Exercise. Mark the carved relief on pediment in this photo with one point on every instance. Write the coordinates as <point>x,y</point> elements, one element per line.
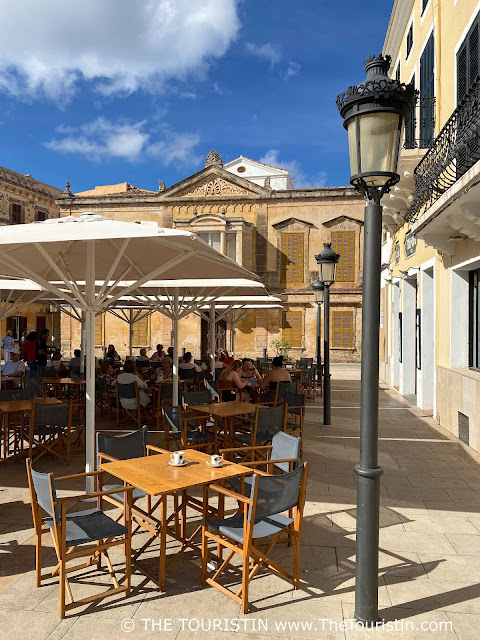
<point>216,187</point>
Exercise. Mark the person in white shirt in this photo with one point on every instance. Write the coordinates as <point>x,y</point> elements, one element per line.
<point>159,354</point>
<point>143,359</point>
<point>7,345</point>
<point>128,376</point>
<point>188,363</point>
<point>14,368</point>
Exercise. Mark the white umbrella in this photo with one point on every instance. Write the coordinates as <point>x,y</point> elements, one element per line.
<point>90,248</point>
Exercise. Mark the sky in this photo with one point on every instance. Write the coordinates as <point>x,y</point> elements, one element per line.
<point>141,90</point>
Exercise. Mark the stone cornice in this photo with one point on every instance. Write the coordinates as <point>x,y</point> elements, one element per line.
<point>28,184</point>
<point>397,26</point>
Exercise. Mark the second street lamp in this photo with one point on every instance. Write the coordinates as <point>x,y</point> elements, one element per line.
<point>318,290</point>
<point>327,265</point>
<point>374,114</point>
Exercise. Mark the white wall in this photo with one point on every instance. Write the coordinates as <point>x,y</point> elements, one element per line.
<point>426,374</point>
<point>409,308</point>
<point>395,367</point>
<point>459,318</point>
<point>257,172</point>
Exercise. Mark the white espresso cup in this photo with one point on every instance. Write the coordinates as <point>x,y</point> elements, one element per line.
<point>177,457</point>
<point>216,460</point>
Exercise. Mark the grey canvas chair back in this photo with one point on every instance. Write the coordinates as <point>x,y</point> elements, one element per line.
<point>125,446</point>
<point>52,414</point>
<point>101,384</point>
<point>305,363</point>
<point>33,383</point>
<point>285,446</point>
<point>270,418</point>
<point>187,374</point>
<point>127,390</point>
<point>44,487</point>
<point>48,372</point>
<point>211,389</point>
<point>75,372</point>
<point>15,394</point>
<point>173,417</point>
<point>197,397</point>
<point>295,400</point>
<point>308,375</point>
<point>166,391</point>
<point>276,494</point>
<point>284,387</point>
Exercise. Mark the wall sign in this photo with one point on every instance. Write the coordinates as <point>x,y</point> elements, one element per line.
<point>410,244</point>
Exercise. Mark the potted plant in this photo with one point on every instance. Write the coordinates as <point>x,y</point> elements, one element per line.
<point>282,348</point>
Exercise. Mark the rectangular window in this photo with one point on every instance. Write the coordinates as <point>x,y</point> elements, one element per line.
<point>292,328</point>
<point>468,61</point>
<point>343,242</point>
<point>213,239</point>
<point>292,257</point>
<point>17,325</point>
<point>397,72</point>
<point>41,215</point>
<point>140,337</point>
<point>16,213</point>
<point>232,245</point>
<point>424,5</point>
<point>342,329</point>
<point>427,93</point>
<point>474,320</point>
<point>411,125</point>
<point>99,325</point>
<point>409,39</point>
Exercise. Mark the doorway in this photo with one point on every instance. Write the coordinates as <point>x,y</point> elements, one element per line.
<point>409,337</point>
<point>220,339</point>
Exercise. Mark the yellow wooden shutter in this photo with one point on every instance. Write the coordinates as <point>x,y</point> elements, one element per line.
<point>343,242</point>
<point>140,332</point>
<point>99,341</point>
<point>292,328</point>
<point>342,329</point>
<point>292,257</point>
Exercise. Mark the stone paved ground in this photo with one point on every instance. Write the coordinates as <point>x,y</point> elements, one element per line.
<point>430,546</point>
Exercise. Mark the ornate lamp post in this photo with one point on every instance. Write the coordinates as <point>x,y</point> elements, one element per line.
<point>327,265</point>
<point>374,115</point>
<point>318,290</point>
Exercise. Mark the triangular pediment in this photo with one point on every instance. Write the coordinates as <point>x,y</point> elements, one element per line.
<point>214,182</point>
<point>292,223</point>
<point>343,220</point>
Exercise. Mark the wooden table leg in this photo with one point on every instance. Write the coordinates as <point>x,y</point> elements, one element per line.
<point>163,543</point>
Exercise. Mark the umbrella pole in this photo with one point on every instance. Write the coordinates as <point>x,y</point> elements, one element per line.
<point>232,337</point>
<point>130,334</point>
<point>212,340</point>
<point>90,372</point>
<point>82,344</point>
<point>175,348</point>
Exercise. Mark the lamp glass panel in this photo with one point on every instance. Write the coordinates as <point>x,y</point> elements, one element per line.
<point>326,271</point>
<point>318,295</point>
<point>378,142</point>
<point>352,146</point>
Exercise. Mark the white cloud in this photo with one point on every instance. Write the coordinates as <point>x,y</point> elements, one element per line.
<point>268,51</point>
<point>119,45</point>
<point>292,69</point>
<point>302,179</point>
<point>102,139</point>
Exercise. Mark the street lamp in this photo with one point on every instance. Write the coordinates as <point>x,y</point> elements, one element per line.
<point>318,290</point>
<point>374,114</point>
<point>327,266</point>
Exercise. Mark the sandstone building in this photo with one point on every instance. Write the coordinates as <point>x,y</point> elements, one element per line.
<point>252,213</point>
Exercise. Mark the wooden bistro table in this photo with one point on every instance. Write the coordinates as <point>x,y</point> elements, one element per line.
<point>226,412</point>
<point>153,475</point>
<point>66,389</point>
<point>19,408</point>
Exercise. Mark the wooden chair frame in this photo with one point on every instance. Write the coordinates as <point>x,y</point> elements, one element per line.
<point>65,554</point>
<point>181,436</point>
<point>53,443</point>
<point>252,558</point>
<point>132,414</point>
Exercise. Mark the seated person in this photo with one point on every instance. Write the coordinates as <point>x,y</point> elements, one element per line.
<point>165,373</point>
<point>76,360</point>
<point>159,354</point>
<point>276,374</point>
<point>248,370</point>
<point>128,376</point>
<point>142,359</point>
<point>59,369</point>
<point>14,368</point>
<point>112,353</point>
<point>187,363</point>
<point>170,352</point>
<point>226,359</point>
<point>230,379</point>
<point>106,373</point>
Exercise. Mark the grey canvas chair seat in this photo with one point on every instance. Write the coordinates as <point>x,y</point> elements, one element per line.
<point>136,493</point>
<point>78,421</point>
<point>233,527</point>
<point>198,436</point>
<point>47,431</point>
<point>246,438</point>
<point>88,526</point>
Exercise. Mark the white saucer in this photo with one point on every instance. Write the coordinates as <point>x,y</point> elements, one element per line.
<point>184,463</point>
<point>214,466</point>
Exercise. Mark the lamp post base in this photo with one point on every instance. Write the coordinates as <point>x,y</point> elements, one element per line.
<point>327,409</point>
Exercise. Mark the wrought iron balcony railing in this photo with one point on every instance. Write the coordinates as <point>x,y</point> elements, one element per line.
<point>420,130</point>
<point>455,150</point>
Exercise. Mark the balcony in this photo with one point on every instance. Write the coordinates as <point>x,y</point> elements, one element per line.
<point>422,123</point>
<point>455,150</point>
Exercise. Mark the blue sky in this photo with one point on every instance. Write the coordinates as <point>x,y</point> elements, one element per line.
<point>99,93</point>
